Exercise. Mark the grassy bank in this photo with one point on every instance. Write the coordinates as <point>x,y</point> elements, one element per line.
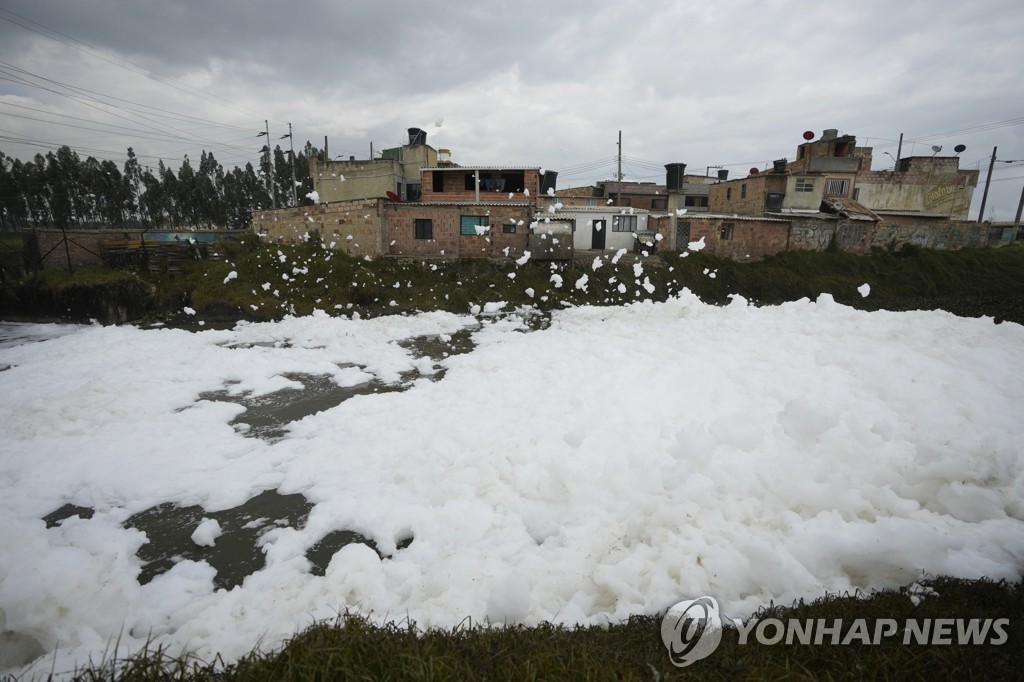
<point>263,282</point>
<point>354,649</point>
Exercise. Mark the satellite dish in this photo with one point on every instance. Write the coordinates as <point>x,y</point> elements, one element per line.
<point>808,135</point>
<point>959,148</point>
<point>393,196</point>
<point>754,171</point>
<point>936,148</point>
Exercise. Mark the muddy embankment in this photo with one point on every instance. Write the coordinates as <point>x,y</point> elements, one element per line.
<point>110,302</point>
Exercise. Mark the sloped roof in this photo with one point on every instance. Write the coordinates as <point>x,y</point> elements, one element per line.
<point>849,208</point>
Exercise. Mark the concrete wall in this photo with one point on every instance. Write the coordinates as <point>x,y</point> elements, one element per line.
<point>584,227</point>
<point>943,234</point>
<point>350,226</point>
<point>937,188</point>
<point>810,234</point>
<point>347,180</point>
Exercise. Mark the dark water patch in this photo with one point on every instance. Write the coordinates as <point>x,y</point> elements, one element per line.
<point>437,347</point>
<point>235,554</point>
<point>57,516</point>
<point>440,346</point>
<point>268,416</point>
<point>235,345</point>
<point>321,553</point>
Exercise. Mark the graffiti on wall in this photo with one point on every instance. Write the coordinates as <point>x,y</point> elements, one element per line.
<point>931,237</point>
<point>811,237</point>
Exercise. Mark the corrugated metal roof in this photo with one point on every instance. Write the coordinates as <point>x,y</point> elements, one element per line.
<point>817,215</point>
<point>617,210</point>
<point>519,204</point>
<point>473,168</point>
<point>850,208</point>
<point>916,214</point>
<point>718,216</point>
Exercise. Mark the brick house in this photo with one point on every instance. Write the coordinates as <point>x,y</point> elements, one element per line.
<point>834,173</point>
<point>397,170</point>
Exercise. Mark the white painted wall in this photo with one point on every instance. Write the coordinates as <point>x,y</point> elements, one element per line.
<point>584,218</point>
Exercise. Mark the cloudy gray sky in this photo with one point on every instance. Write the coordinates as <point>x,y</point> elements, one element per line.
<point>729,83</point>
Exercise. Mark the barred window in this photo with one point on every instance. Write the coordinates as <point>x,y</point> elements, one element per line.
<point>834,187</point>
<point>804,185</point>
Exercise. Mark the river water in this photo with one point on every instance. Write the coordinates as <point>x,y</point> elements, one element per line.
<point>236,553</point>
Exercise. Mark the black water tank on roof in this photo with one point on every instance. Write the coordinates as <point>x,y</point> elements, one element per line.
<point>548,179</point>
<point>723,174</point>
<point>780,165</point>
<point>417,136</point>
<point>675,173</point>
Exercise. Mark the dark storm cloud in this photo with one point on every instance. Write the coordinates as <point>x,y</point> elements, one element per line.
<point>547,83</point>
<point>415,46</point>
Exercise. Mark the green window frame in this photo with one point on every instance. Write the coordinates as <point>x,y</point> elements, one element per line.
<point>468,225</point>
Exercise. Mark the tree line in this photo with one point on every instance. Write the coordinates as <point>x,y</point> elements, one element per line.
<point>61,190</point>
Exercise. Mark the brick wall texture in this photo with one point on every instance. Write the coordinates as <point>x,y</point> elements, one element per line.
<point>349,226</point>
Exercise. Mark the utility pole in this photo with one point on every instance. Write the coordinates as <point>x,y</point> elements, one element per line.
<point>266,134</point>
<point>988,181</point>
<point>1020,208</point>
<point>270,165</point>
<point>271,188</point>
<point>618,174</point>
<point>899,151</point>
<point>291,150</point>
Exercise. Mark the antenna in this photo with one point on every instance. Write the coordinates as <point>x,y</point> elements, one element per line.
<point>959,149</point>
<point>936,149</point>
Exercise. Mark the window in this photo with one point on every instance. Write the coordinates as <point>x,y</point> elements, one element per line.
<point>773,202</point>
<point>590,201</point>
<point>471,182</point>
<point>743,191</point>
<point>515,181</point>
<point>491,184</point>
<point>804,185</point>
<point>659,204</point>
<point>695,201</point>
<point>624,223</point>
<point>424,228</point>
<point>438,181</point>
<point>856,194</point>
<point>509,228</point>
<point>728,193</point>
<point>835,187</point>
<point>412,192</point>
<point>682,233</point>
<point>726,233</point>
<point>474,225</point>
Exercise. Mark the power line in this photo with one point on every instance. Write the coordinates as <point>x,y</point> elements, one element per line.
<point>147,73</point>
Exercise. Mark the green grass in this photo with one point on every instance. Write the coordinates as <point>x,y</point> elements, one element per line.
<point>336,282</point>
<point>302,278</point>
<point>352,648</point>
